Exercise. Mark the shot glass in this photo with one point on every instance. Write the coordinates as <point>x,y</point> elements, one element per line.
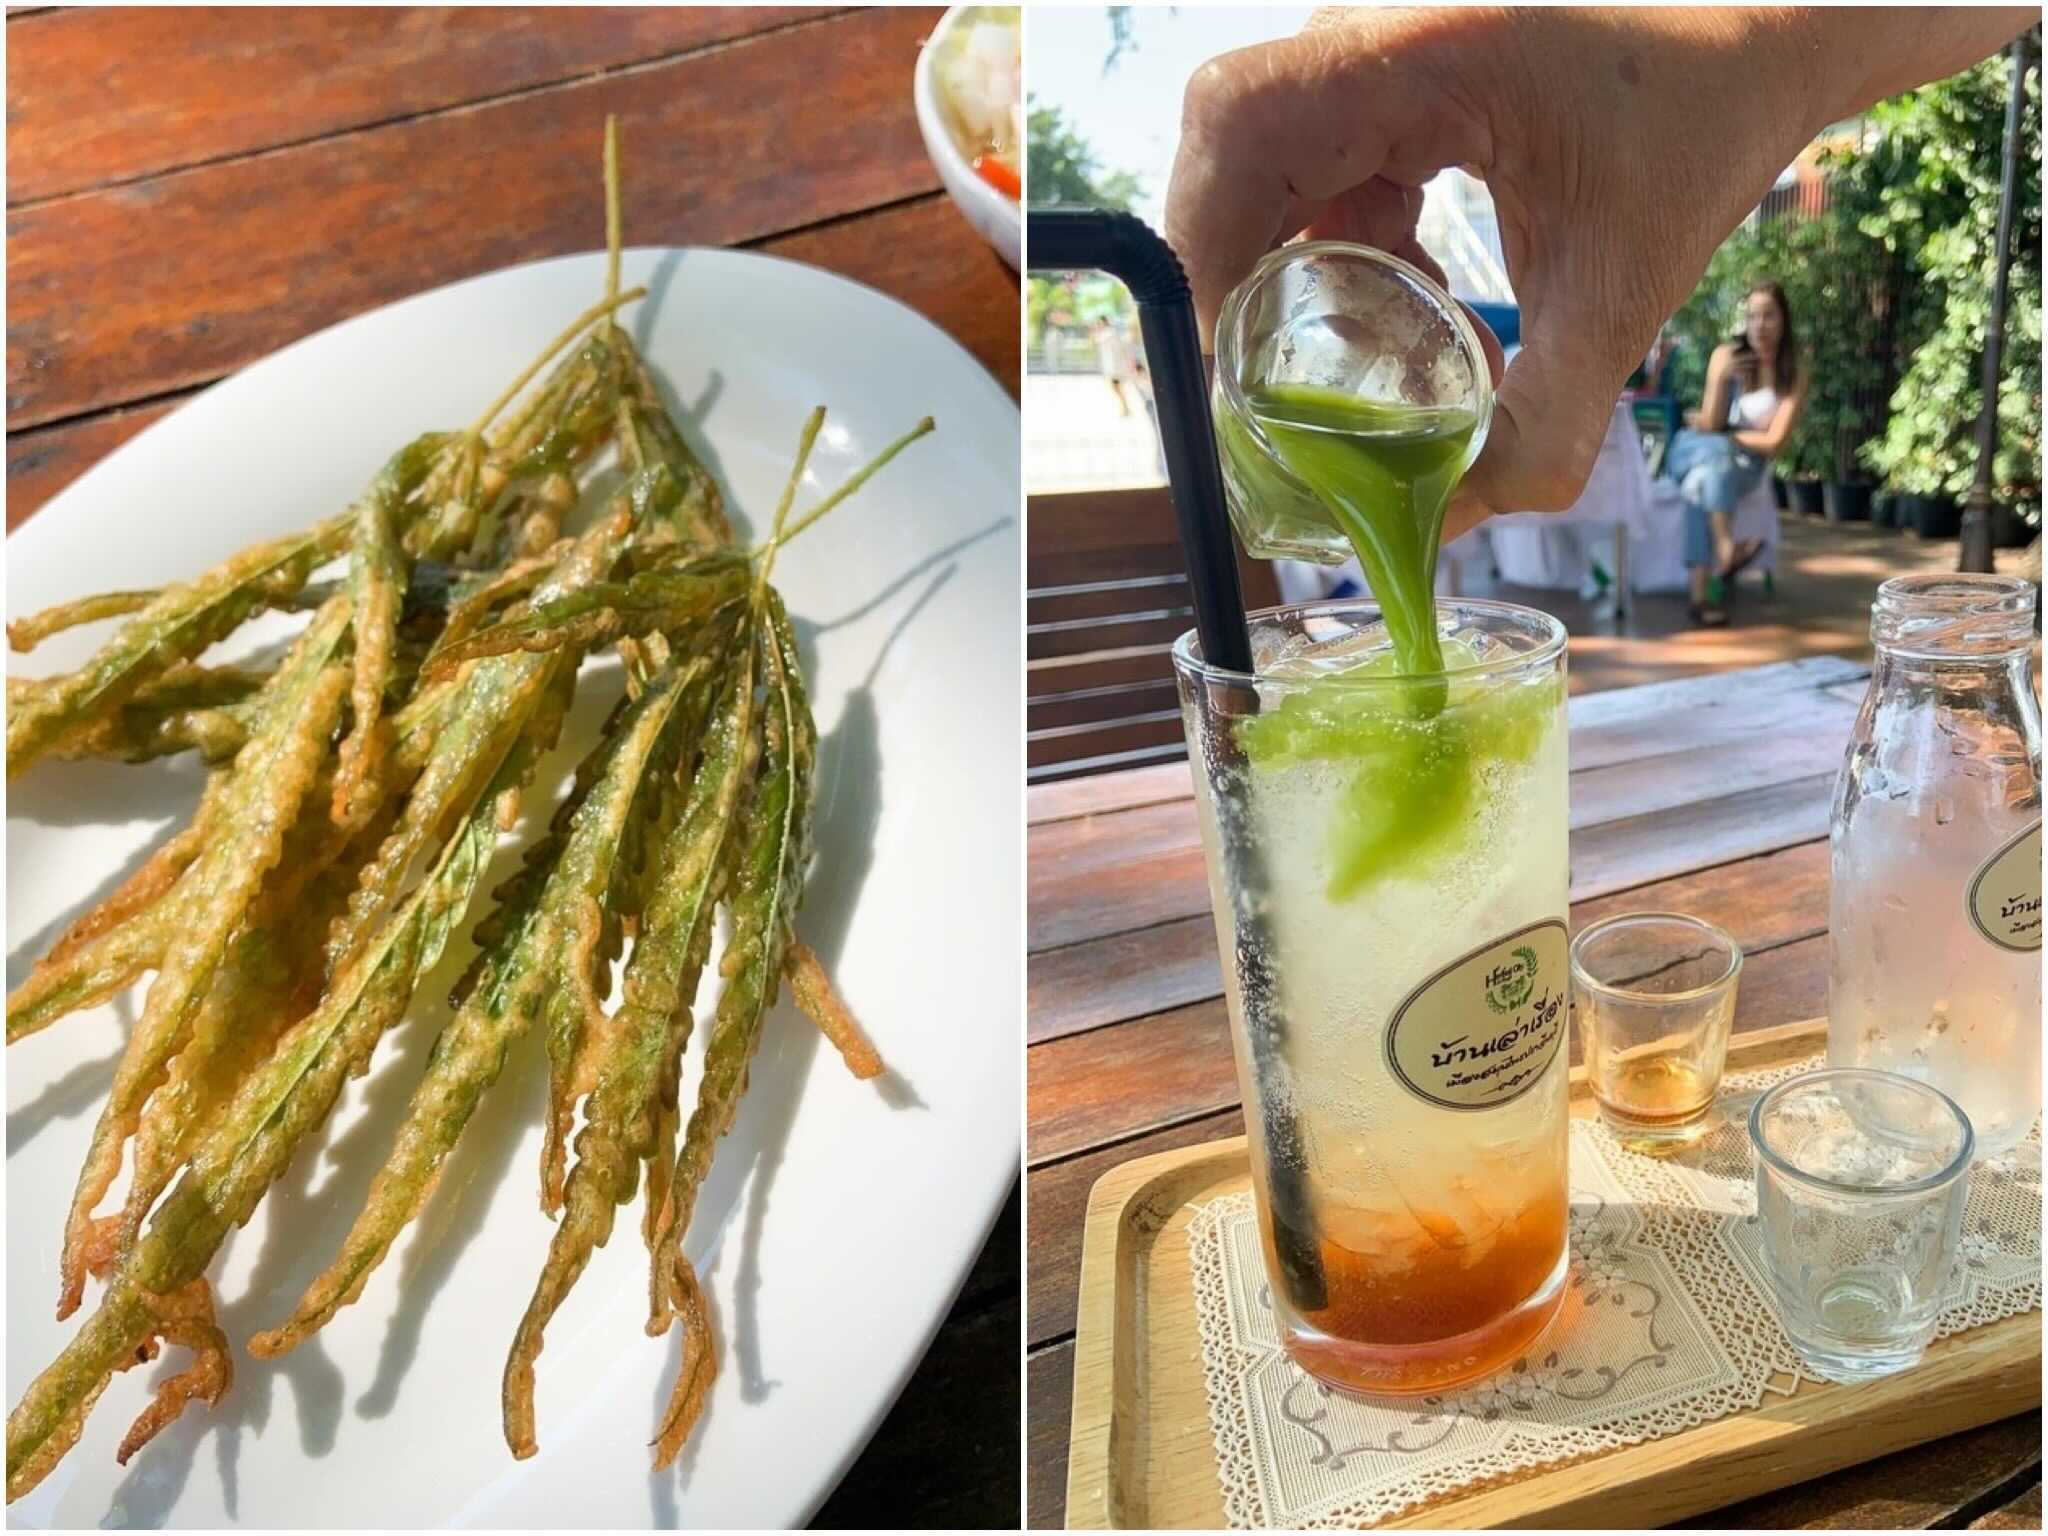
<point>1655,994</point>
<point>1860,1182</point>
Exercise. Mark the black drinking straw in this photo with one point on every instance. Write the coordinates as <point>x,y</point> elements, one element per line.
<point>1124,246</point>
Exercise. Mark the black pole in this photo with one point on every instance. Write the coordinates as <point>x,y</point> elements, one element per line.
<point>1124,246</point>
<point>1975,553</point>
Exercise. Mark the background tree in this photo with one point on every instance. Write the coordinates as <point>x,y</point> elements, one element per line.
<point>1062,167</point>
<point>1941,213</point>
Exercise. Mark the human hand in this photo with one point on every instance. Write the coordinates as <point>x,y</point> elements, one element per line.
<point>1620,147</point>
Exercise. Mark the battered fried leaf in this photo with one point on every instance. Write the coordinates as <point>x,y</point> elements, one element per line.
<point>475,601</point>
<point>593,896</point>
<point>180,623</point>
<point>83,977</point>
<point>667,964</point>
<point>183,620</point>
<point>699,1369</point>
<point>26,634</point>
<point>699,517</point>
<point>823,1006</point>
<point>667,598</point>
<point>765,894</point>
<point>237,1162</point>
<point>377,582</point>
<point>118,940</point>
<point>187,707</point>
<point>270,781</point>
<point>489,712</point>
<point>635,1052</point>
<point>531,943</point>
<point>269,979</point>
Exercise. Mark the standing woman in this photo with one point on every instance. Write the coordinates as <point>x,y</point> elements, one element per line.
<point>1755,391</point>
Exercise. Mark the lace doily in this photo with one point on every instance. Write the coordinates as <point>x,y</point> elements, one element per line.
<point>1667,1324</point>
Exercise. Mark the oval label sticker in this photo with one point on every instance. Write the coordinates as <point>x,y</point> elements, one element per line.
<point>2005,896</point>
<point>1486,1027</point>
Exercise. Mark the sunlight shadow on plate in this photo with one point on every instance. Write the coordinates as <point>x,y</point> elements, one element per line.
<point>809,631</point>
<point>689,416</point>
<point>99,794</point>
<point>77,1091</point>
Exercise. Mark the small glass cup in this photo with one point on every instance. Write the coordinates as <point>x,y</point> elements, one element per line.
<point>1860,1182</point>
<point>1655,995</point>
<point>1352,321</point>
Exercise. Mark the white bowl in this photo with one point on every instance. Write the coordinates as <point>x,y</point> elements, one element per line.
<point>995,217</point>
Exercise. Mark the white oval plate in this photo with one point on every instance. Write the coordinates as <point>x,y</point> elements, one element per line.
<point>840,1217</point>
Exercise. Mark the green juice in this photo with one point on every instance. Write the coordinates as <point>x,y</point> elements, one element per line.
<point>1416,752</point>
<point>1385,474</point>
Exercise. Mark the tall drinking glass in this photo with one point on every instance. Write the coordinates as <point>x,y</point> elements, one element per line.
<point>1387,858</point>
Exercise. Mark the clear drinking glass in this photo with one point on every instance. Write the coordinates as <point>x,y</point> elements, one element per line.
<point>1860,1183</point>
<point>1387,859</point>
<point>1353,321</point>
<point>1655,995</point>
<point>1934,925</point>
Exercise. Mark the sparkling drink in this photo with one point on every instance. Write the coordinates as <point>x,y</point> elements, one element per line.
<point>1387,855</point>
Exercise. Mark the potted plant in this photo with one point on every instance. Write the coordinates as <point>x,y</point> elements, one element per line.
<point>1923,505</point>
<point>1805,460</point>
<point>2016,523</point>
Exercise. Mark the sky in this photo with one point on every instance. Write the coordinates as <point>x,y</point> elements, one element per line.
<point>1132,115</point>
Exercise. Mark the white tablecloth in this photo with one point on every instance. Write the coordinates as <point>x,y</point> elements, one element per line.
<point>1555,550</point>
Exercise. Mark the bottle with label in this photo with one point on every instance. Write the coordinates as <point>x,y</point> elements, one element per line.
<point>1935,904</point>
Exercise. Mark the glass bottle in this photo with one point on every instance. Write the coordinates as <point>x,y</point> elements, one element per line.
<point>1934,923</point>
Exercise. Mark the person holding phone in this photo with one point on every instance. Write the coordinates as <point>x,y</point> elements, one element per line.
<point>1754,393</point>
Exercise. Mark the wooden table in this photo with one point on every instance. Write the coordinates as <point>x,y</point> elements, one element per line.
<point>190,190</point>
<point>1707,795</point>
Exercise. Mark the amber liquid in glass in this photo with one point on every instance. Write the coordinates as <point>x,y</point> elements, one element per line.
<point>1407,1315</point>
<point>1654,1093</point>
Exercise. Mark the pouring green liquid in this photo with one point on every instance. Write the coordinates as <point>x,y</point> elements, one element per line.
<point>1384,474</point>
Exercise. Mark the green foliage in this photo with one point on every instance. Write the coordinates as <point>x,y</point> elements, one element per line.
<point>1940,213</point>
<point>1891,286</point>
<point>1062,167</point>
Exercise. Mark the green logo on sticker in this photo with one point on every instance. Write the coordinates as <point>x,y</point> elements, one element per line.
<point>1509,984</point>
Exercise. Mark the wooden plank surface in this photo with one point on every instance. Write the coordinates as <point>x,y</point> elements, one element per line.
<point>42,463</point>
<point>1762,901</point>
<point>920,252</point>
<point>96,97</point>
<point>136,290</point>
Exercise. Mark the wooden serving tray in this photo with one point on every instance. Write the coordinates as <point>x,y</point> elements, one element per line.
<point>1141,1453</point>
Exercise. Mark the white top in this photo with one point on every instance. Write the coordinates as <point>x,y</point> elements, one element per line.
<point>1752,411</point>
